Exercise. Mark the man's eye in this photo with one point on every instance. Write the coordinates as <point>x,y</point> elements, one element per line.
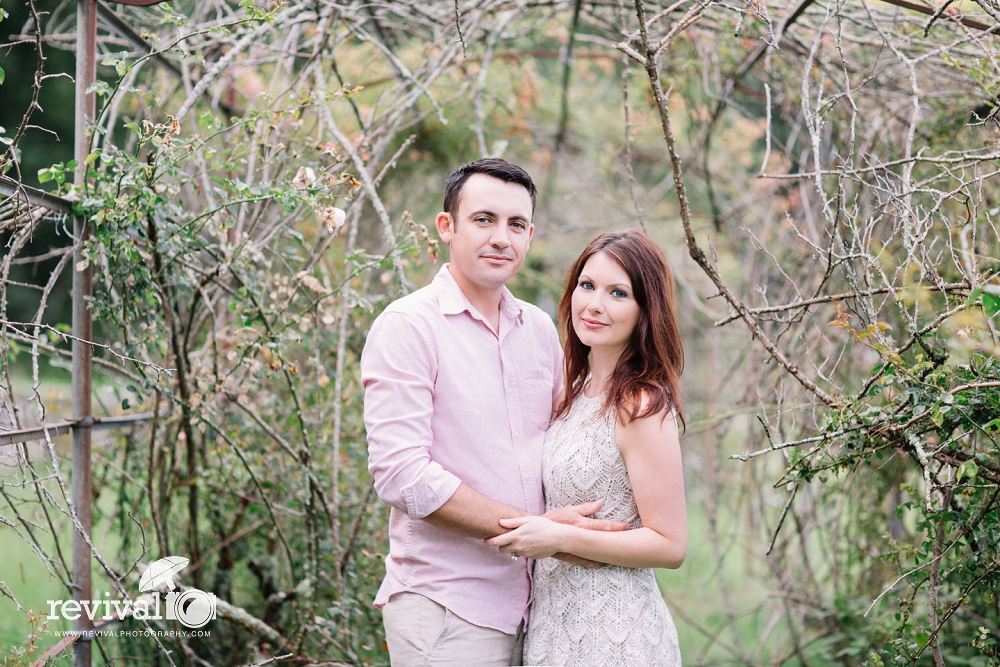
<point>483,220</point>
<point>519,225</point>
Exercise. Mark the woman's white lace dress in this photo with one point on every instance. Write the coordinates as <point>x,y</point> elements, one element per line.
<point>603,616</point>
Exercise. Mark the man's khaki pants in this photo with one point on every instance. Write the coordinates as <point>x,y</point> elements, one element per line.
<point>422,633</point>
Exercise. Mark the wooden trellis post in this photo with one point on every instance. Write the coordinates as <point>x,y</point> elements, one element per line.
<point>83,422</point>
<point>86,73</point>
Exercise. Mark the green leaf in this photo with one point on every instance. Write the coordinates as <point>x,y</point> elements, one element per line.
<point>44,175</point>
<point>968,469</point>
<point>1,75</point>
<point>991,304</point>
<point>100,87</point>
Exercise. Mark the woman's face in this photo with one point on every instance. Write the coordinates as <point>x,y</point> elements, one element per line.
<point>604,308</point>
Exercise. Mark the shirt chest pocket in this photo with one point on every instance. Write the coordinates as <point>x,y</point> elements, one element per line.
<point>538,393</point>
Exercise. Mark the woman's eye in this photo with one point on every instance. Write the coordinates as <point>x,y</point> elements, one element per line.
<point>619,294</point>
<point>586,284</point>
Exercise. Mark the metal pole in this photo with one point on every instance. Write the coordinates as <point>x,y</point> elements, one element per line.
<point>86,72</point>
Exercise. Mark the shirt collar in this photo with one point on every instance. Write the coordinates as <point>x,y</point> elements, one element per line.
<point>453,300</point>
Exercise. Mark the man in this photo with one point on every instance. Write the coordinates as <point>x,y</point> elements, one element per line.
<point>459,382</point>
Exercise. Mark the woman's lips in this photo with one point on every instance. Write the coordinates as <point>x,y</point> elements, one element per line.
<point>592,324</point>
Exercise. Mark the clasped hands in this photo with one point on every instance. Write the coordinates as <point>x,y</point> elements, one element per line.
<point>545,536</point>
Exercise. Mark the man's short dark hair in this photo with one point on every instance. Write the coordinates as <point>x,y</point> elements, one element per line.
<point>491,166</point>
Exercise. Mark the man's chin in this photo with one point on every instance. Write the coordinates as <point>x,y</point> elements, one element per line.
<point>496,278</point>
<point>490,275</point>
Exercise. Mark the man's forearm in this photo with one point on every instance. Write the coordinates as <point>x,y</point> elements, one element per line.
<point>472,514</point>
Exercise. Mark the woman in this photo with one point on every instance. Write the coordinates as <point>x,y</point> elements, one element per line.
<point>613,437</point>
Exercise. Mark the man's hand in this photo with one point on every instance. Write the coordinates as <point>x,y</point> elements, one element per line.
<point>578,515</point>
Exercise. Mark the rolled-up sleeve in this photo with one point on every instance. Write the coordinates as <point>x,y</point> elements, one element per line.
<point>398,367</point>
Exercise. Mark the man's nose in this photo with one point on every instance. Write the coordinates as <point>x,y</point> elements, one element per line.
<point>499,238</point>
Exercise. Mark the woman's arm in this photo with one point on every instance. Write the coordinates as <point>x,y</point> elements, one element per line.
<point>653,458</point>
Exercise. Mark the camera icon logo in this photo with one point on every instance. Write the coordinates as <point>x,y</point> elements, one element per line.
<point>193,608</point>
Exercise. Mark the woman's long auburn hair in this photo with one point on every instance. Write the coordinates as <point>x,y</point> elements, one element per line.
<point>652,363</point>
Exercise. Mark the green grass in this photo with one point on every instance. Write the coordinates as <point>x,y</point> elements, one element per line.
<point>695,601</point>
<point>23,572</point>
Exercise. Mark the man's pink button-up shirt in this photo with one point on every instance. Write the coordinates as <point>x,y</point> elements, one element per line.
<point>448,400</point>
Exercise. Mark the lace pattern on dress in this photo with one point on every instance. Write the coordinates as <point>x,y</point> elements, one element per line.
<point>608,616</point>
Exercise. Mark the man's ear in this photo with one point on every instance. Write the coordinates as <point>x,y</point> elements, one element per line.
<point>445,225</point>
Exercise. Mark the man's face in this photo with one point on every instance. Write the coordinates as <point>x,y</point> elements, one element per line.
<point>491,234</point>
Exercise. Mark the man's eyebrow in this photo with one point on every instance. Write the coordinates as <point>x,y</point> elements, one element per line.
<point>491,214</point>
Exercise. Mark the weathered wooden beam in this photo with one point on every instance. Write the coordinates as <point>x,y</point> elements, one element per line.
<point>9,188</point>
<point>66,426</point>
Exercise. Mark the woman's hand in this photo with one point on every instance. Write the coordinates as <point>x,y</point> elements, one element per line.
<point>532,537</point>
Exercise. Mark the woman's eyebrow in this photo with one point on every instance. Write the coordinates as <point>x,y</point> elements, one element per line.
<point>624,286</point>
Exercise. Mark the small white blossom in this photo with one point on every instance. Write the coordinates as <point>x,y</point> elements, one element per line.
<point>304,177</point>
<point>333,217</point>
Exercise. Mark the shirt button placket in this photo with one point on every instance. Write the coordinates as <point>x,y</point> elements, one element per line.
<point>513,399</point>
